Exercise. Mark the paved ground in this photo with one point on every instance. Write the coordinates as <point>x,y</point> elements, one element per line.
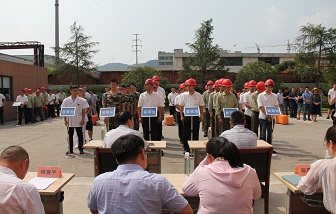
<point>297,142</point>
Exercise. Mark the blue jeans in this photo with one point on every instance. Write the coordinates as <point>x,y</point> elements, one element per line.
<point>306,109</point>
<point>300,107</point>
<point>265,125</point>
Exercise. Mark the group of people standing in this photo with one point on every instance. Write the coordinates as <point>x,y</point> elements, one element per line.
<point>41,103</point>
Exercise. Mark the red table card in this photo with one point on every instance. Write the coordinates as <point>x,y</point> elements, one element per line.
<point>49,171</point>
<point>302,169</point>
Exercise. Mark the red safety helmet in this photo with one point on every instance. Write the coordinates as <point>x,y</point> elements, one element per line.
<point>155,84</point>
<point>227,83</point>
<point>42,88</point>
<point>149,81</point>
<point>30,91</point>
<point>261,86</point>
<point>38,91</point>
<point>190,81</point>
<point>25,89</point>
<point>182,86</point>
<point>252,83</point>
<point>246,85</point>
<point>210,82</point>
<point>156,78</point>
<point>217,83</point>
<point>269,82</point>
<point>213,86</point>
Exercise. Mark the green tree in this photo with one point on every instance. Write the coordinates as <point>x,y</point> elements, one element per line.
<point>315,43</point>
<point>140,74</point>
<point>258,71</point>
<point>206,62</point>
<point>76,56</point>
<point>285,66</point>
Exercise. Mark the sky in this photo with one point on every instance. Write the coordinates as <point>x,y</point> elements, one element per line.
<point>163,25</point>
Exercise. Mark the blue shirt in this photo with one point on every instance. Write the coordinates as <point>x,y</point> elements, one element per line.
<point>130,189</point>
<point>306,96</point>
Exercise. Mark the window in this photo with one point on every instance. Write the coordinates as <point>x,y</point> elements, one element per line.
<point>234,61</point>
<point>169,63</point>
<point>169,57</point>
<point>161,57</point>
<point>6,87</point>
<point>161,63</point>
<point>270,60</point>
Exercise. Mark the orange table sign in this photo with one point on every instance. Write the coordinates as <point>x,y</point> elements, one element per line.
<point>49,171</point>
<point>302,169</point>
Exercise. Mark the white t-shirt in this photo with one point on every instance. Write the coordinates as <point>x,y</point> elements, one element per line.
<point>80,104</point>
<point>265,99</point>
<point>172,96</point>
<point>2,97</point>
<point>188,100</point>
<point>241,100</point>
<point>332,93</point>
<point>247,99</point>
<point>150,100</point>
<point>22,99</point>
<point>162,92</point>
<point>51,98</point>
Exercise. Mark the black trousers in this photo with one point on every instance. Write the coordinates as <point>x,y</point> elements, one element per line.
<point>293,110</point>
<point>248,123</point>
<point>24,111</point>
<point>187,132</point>
<point>51,110</point>
<point>57,107</point>
<point>145,127</point>
<point>30,114</point>
<point>180,126</point>
<point>172,110</point>
<point>1,115</point>
<point>80,138</point>
<point>159,131</point>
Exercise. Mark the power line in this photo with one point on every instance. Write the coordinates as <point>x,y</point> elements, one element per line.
<point>136,47</point>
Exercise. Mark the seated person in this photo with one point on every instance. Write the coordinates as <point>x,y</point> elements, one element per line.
<point>323,174</point>
<point>223,183</point>
<point>16,195</point>
<point>239,135</point>
<point>131,189</point>
<point>126,124</point>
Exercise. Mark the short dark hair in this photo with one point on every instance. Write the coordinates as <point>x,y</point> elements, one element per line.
<point>73,86</point>
<point>14,154</point>
<point>331,134</point>
<point>127,148</point>
<point>221,147</point>
<point>237,118</point>
<point>123,117</point>
<point>133,84</point>
<point>114,80</point>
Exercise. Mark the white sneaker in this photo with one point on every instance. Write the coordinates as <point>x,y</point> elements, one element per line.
<point>274,155</point>
<point>76,147</point>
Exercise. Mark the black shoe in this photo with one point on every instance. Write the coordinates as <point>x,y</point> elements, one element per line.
<point>205,134</point>
<point>274,152</point>
<point>328,117</point>
<point>162,137</point>
<point>42,119</point>
<point>309,119</point>
<point>81,152</point>
<point>68,152</point>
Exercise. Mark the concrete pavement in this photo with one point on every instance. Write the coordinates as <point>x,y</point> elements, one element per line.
<point>298,142</point>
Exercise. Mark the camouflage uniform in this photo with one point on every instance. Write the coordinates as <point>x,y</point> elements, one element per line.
<point>135,97</point>
<point>114,100</point>
<point>206,120</point>
<point>225,101</point>
<point>255,112</point>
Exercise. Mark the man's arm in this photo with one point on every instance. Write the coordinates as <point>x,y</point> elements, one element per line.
<point>186,210</point>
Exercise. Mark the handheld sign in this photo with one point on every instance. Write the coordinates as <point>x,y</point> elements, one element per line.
<point>302,169</point>
<point>107,112</point>
<point>270,110</point>
<point>68,111</point>
<point>191,111</point>
<point>16,104</point>
<point>228,111</point>
<point>149,112</point>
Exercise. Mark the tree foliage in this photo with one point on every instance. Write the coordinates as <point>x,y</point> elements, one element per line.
<point>76,56</point>
<point>258,71</point>
<point>140,74</point>
<point>316,48</point>
<point>285,66</point>
<point>205,63</point>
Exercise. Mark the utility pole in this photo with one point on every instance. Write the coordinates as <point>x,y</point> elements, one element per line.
<point>56,30</point>
<point>136,47</point>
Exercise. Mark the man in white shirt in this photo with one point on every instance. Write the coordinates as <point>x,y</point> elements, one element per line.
<point>150,99</point>
<point>178,114</point>
<point>171,97</point>
<point>238,134</point>
<point>16,195</point>
<point>77,121</point>
<point>331,96</point>
<point>162,94</point>
<point>267,98</point>
<point>126,124</point>
<point>2,104</point>
<point>23,99</point>
<point>247,102</point>
<point>51,104</point>
<point>191,99</point>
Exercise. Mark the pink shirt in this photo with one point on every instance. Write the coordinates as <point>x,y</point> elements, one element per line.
<point>223,189</point>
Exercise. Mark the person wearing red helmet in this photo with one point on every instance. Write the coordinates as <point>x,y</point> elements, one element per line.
<point>211,106</point>
<point>23,99</point>
<point>30,105</point>
<point>191,99</point>
<point>255,115</point>
<point>171,98</point>
<point>247,102</point>
<point>178,113</point>
<point>267,98</point>
<point>150,99</point>
<point>205,96</point>
<point>44,94</point>
<point>116,99</point>
<point>241,97</point>
<point>225,100</point>
<point>38,103</point>
<point>162,93</point>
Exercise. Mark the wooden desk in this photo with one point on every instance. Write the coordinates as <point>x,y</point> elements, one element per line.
<point>153,154</point>
<point>52,197</point>
<point>198,149</point>
<point>177,180</point>
<point>294,202</point>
